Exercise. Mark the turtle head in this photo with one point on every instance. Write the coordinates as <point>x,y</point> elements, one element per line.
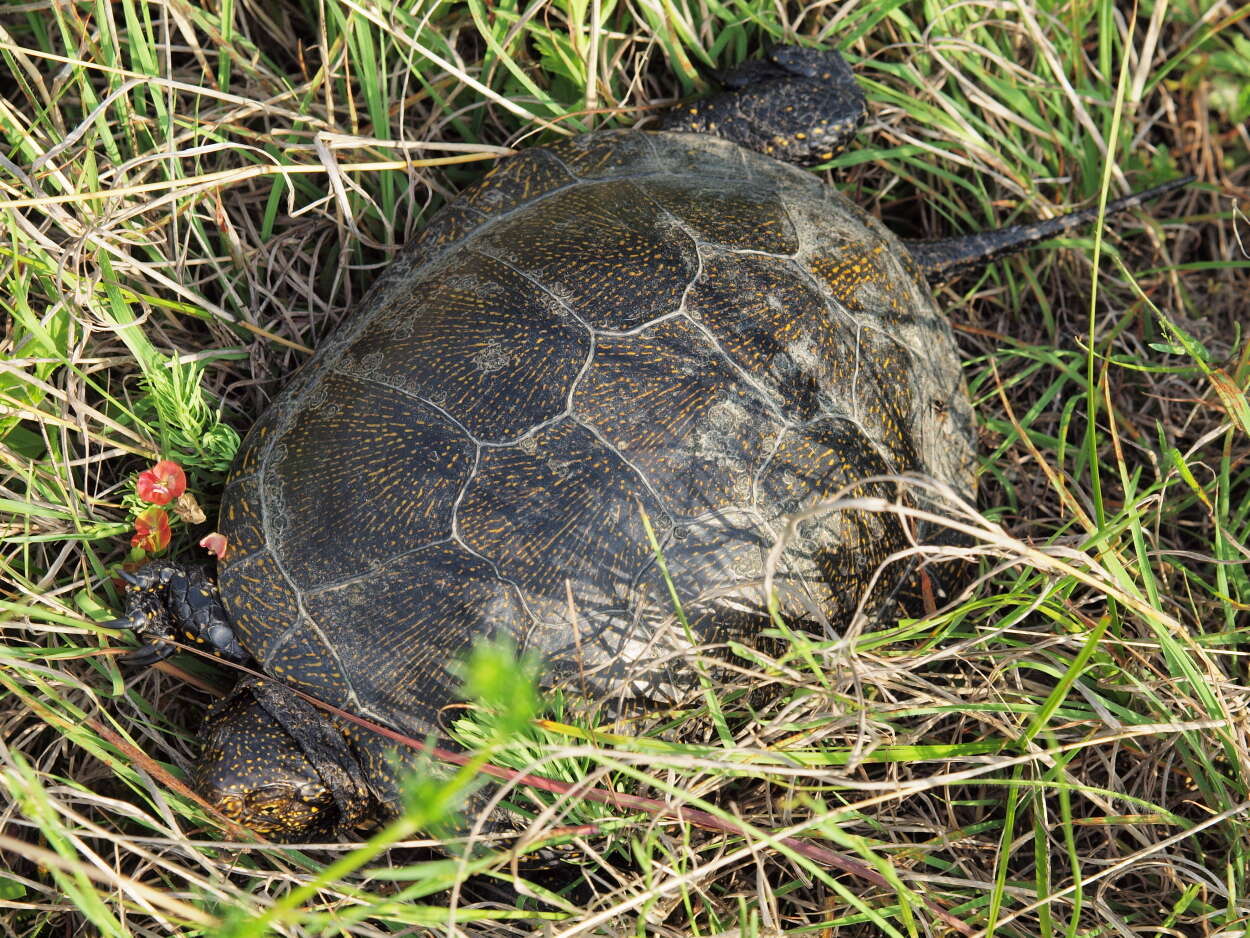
<point>257,770</point>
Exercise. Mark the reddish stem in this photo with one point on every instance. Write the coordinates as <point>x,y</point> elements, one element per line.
<point>651,806</point>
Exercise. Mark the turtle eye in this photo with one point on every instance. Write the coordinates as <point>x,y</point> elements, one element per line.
<point>313,793</point>
<point>269,795</point>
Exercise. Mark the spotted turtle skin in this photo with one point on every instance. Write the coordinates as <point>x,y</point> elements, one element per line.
<point>623,324</point>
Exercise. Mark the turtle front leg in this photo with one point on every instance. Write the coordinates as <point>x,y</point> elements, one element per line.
<point>176,602</point>
<point>798,105</point>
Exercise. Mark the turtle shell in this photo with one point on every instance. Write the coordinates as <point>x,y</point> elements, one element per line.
<point>622,326</point>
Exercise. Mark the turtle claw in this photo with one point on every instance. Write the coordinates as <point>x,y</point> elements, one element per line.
<point>138,617</point>
<point>167,602</point>
<point>149,620</point>
<point>147,655</point>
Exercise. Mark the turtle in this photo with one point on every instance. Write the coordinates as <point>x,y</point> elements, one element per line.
<point>678,329</point>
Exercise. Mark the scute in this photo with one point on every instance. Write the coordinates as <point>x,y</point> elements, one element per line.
<point>608,155</point>
<point>364,471</point>
<point>308,658</point>
<point>481,342</point>
<point>723,212</point>
<point>702,158</point>
<point>390,629</point>
<point>449,226</point>
<point>247,459</point>
<point>833,555</point>
<point>561,506</point>
<point>772,322</point>
<point>241,519</point>
<point>526,176</point>
<point>865,277</point>
<point>715,561</point>
<point>603,250</point>
<point>263,604</point>
<point>697,430</point>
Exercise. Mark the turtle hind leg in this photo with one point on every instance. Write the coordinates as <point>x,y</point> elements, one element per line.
<point>167,602</point>
<point>797,105</point>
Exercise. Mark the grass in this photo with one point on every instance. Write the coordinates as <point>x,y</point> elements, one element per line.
<point>195,194</point>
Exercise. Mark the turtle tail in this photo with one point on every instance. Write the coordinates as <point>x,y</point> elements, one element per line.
<point>941,258</point>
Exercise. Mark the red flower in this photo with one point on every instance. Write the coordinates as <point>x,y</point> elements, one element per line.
<point>162,483</point>
<point>215,544</point>
<point>151,530</point>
